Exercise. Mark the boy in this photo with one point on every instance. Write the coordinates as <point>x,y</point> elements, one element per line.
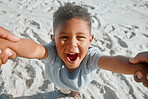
<point>69,61</point>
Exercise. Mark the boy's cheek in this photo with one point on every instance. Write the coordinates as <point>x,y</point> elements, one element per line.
<point>59,42</point>
<point>62,43</point>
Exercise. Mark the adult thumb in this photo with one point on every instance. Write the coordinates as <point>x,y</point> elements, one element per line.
<point>11,54</point>
<point>7,35</point>
<point>12,37</point>
<point>133,60</point>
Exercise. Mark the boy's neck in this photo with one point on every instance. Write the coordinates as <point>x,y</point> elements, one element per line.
<point>70,70</point>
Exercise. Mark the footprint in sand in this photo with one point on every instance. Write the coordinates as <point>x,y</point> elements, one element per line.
<point>146,35</point>
<point>109,93</point>
<point>121,42</point>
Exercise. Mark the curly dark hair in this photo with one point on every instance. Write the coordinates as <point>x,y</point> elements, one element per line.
<point>68,11</point>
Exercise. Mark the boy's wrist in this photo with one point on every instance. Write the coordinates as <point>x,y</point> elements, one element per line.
<point>12,45</point>
<point>4,44</point>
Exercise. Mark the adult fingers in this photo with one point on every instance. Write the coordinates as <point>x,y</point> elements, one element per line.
<point>140,57</point>
<point>0,63</point>
<point>7,35</point>
<point>145,80</point>
<point>10,53</point>
<point>0,58</point>
<point>5,54</point>
<point>3,57</point>
<point>138,76</point>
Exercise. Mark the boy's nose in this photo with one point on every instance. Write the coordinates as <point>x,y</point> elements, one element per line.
<point>72,43</point>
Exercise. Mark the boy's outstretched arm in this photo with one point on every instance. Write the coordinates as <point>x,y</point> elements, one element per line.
<point>121,64</point>
<point>25,48</point>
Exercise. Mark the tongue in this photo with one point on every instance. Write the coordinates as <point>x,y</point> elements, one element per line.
<point>72,57</point>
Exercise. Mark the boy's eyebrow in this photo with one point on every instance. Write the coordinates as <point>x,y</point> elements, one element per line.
<point>81,33</point>
<point>68,33</point>
<point>62,33</point>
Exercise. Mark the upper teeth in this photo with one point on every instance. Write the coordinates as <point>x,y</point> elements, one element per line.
<point>72,53</point>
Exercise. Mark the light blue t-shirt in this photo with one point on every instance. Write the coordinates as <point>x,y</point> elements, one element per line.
<point>57,73</point>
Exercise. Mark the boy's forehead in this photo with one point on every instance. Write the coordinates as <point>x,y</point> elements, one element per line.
<point>79,25</point>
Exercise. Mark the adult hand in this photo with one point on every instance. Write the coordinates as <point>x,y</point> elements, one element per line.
<point>139,76</point>
<point>9,36</point>
<point>7,54</point>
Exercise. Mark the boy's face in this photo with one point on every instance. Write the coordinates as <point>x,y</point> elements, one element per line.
<point>72,39</point>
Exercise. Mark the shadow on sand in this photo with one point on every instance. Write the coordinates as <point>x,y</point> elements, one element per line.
<point>49,95</point>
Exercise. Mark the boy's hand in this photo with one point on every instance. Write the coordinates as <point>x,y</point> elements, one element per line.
<point>5,55</point>
<point>139,76</point>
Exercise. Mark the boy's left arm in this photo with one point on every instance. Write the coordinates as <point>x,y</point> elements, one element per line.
<point>121,64</point>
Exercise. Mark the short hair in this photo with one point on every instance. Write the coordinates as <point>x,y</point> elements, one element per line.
<point>69,11</point>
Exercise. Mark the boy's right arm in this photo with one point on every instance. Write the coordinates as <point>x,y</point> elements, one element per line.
<point>25,48</point>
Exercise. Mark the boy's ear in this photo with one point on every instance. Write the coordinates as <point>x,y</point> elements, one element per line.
<point>91,38</point>
<point>52,38</point>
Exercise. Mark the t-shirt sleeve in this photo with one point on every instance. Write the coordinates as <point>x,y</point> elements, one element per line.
<point>93,58</point>
<point>51,49</point>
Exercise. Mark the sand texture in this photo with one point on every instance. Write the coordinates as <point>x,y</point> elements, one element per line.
<point>119,26</point>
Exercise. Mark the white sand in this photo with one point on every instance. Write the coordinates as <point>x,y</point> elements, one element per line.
<point>119,26</point>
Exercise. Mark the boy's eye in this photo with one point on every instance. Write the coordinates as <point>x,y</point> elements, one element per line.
<point>63,37</point>
<point>80,37</point>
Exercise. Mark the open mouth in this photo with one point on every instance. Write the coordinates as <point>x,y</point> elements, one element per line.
<point>72,56</point>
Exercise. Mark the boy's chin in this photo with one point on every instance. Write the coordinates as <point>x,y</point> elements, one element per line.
<point>72,68</point>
